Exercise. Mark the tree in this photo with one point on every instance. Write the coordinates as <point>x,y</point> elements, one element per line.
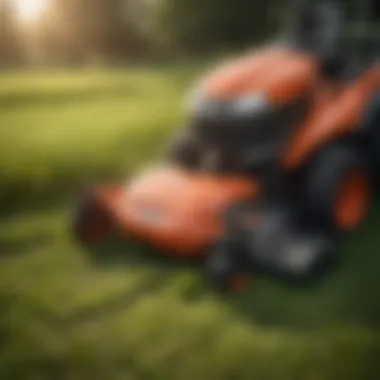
<point>201,25</point>
<point>10,50</point>
<point>91,28</point>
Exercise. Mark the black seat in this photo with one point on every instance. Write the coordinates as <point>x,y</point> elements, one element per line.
<point>318,29</point>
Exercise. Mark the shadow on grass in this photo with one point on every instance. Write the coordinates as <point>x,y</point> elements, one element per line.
<point>118,252</point>
<point>347,296</point>
<point>344,295</point>
<point>155,271</point>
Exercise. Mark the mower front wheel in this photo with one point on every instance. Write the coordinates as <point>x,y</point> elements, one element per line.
<point>91,224</point>
<point>224,270</point>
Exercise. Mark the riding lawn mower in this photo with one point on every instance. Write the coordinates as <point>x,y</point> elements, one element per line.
<point>277,163</point>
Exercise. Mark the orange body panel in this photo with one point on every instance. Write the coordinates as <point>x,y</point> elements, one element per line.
<point>179,211</point>
<point>175,211</point>
<point>337,111</point>
<point>279,74</point>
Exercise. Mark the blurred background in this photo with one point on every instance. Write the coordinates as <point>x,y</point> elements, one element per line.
<point>90,90</point>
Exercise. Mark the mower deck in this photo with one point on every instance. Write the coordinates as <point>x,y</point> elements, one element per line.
<point>174,211</point>
<point>261,237</point>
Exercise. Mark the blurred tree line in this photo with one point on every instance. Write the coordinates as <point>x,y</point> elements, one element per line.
<point>10,48</point>
<point>79,31</point>
<point>82,31</point>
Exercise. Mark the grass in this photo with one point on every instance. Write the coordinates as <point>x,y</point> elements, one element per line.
<point>65,315</point>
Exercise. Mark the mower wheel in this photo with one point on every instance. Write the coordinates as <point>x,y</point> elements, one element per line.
<point>224,272</point>
<point>337,189</point>
<point>91,224</point>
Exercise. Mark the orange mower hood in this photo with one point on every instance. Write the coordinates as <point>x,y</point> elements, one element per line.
<point>281,75</point>
<point>175,210</point>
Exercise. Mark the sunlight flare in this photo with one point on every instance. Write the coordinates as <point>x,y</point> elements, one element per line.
<point>30,10</point>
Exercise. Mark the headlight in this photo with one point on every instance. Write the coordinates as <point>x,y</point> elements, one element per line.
<point>194,101</point>
<point>251,104</point>
<point>199,103</point>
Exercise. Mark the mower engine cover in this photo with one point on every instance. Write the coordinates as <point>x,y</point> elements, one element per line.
<point>247,110</point>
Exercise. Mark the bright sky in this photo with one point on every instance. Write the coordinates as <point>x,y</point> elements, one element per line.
<point>30,10</point>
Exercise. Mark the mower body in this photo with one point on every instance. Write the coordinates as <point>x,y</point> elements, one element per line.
<point>292,136</point>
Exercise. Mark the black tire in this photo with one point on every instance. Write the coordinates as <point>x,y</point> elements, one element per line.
<point>322,179</point>
<point>224,266</point>
<point>374,160</point>
<point>88,216</point>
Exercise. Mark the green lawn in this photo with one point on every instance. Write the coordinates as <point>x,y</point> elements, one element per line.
<point>121,313</point>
